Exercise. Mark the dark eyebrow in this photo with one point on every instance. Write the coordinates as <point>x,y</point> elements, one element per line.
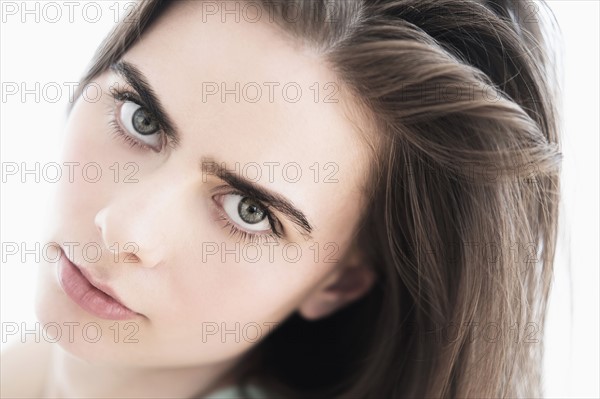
<point>255,191</point>
<point>135,78</point>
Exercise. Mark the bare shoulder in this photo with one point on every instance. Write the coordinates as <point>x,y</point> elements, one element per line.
<point>23,368</point>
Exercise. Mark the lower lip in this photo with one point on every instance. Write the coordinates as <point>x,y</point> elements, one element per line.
<point>90,298</point>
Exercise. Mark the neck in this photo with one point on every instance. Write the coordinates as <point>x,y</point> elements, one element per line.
<point>71,377</point>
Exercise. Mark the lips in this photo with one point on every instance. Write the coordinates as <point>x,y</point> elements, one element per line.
<point>95,298</point>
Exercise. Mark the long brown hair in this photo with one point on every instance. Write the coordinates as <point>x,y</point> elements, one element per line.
<point>461,225</point>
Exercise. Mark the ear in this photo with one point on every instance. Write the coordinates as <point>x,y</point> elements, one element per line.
<point>352,279</point>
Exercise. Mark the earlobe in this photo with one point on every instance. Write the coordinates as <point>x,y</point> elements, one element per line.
<point>348,284</point>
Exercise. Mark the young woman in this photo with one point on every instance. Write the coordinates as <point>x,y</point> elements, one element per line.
<point>353,199</point>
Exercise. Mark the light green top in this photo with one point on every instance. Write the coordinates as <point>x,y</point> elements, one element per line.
<point>235,393</point>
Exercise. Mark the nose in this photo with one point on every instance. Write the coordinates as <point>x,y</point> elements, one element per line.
<point>133,225</point>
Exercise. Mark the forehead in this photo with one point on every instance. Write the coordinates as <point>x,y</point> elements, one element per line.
<point>243,92</point>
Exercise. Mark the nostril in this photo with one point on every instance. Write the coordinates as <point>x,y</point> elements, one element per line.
<point>130,257</point>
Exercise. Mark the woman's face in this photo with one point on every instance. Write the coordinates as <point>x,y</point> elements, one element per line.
<point>172,226</point>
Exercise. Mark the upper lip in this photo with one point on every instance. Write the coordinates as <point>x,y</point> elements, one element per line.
<point>93,281</point>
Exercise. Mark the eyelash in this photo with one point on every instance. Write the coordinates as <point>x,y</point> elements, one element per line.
<point>122,95</point>
<point>245,236</point>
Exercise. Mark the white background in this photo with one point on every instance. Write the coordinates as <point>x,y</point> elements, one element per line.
<point>58,52</point>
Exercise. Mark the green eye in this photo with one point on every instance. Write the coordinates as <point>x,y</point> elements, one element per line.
<point>144,123</point>
<point>251,211</point>
<point>247,213</point>
<point>138,123</point>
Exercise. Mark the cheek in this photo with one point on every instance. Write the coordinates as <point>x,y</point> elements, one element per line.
<point>227,282</point>
<point>94,163</point>
<point>216,291</point>
<point>86,167</point>
<point>219,308</point>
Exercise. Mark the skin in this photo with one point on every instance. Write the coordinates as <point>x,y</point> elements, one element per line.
<point>170,212</point>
